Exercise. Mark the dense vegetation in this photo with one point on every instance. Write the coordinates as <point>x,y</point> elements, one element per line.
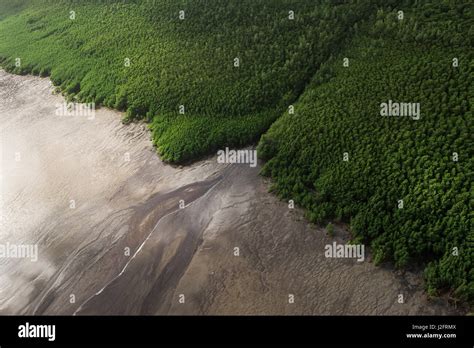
<point>190,62</point>
<point>390,158</point>
<point>174,62</point>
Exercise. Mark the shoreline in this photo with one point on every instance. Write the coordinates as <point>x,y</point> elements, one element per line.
<point>175,251</point>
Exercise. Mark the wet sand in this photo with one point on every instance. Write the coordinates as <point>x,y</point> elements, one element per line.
<point>180,260</point>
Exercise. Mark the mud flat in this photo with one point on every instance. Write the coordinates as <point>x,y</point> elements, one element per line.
<point>120,232</point>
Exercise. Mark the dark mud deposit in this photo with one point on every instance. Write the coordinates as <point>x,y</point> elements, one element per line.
<point>83,266</point>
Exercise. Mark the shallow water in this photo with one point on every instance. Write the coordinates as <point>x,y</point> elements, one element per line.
<point>112,238</point>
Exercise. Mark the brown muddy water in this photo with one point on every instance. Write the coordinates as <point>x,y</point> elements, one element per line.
<point>105,214</point>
